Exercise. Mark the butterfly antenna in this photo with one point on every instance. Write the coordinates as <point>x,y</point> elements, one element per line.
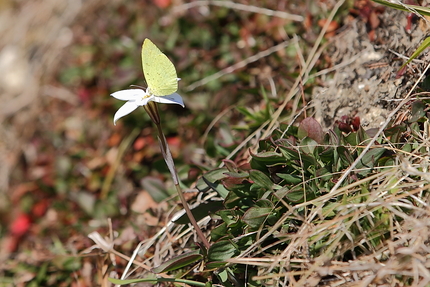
<point>136,86</point>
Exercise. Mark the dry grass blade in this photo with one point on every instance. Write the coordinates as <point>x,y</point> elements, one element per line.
<point>238,6</point>
<point>239,65</point>
<point>303,77</point>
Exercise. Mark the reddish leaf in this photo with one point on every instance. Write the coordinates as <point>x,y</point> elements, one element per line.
<point>409,21</point>
<point>348,124</point>
<point>39,209</point>
<point>307,24</point>
<point>374,20</point>
<point>139,143</point>
<point>173,141</point>
<point>20,225</point>
<point>309,127</point>
<point>233,179</point>
<point>355,123</point>
<point>114,140</point>
<point>343,126</point>
<point>162,3</point>
<point>332,27</point>
<point>193,173</point>
<point>230,165</point>
<point>84,95</point>
<point>10,243</point>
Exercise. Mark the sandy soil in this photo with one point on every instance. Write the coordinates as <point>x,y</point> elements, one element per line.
<point>365,82</point>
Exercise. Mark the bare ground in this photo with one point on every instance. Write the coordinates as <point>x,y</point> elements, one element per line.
<point>365,82</point>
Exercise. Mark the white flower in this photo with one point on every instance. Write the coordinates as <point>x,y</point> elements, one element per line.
<point>137,98</point>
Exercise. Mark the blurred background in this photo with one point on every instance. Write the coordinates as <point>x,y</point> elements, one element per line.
<point>65,168</point>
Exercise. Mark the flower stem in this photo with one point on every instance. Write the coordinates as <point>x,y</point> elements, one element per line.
<point>171,165</point>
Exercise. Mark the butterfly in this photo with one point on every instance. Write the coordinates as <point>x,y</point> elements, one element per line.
<point>159,71</point>
<point>162,80</point>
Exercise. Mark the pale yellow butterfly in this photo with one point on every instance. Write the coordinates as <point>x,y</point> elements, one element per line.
<point>159,71</point>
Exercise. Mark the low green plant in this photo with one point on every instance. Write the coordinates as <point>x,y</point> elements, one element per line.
<point>278,210</point>
<point>286,186</point>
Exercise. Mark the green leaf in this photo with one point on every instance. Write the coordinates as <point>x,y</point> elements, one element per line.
<point>327,156</point>
<point>418,51</point>
<point>223,275</point>
<point>215,265</point>
<point>280,193</point>
<point>425,85</point>
<point>269,157</point>
<point>240,175</point>
<point>155,187</point>
<point>395,133</point>
<point>41,274</point>
<point>418,111</point>
<point>293,154</point>
<point>362,136</point>
<point>308,145</point>
<point>219,232</point>
<point>296,194</point>
<point>246,112</point>
<point>175,280</point>
<point>289,153</point>
<point>405,7</point>
<point>255,216</point>
<point>232,199</point>
<point>228,216</point>
<point>344,156</point>
<point>369,160</point>
<point>407,148</point>
<point>222,250</point>
<point>324,174</point>
<point>260,179</point>
<point>352,139</point>
<point>264,203</point>
<point>210,180</point>
<point>178,262</point>
<point>290,178</point>
<point>214,175</point>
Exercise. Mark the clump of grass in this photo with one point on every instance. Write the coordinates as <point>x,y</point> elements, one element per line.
<point>285,225</point>
<point>281,223</point>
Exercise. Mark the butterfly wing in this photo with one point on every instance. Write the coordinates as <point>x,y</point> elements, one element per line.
<point>159,71</point>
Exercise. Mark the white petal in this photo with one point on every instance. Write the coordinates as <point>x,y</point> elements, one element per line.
<point>174,98</point>
<point>144,101</point>
<point>127,108</point>
<point>129,95</point>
